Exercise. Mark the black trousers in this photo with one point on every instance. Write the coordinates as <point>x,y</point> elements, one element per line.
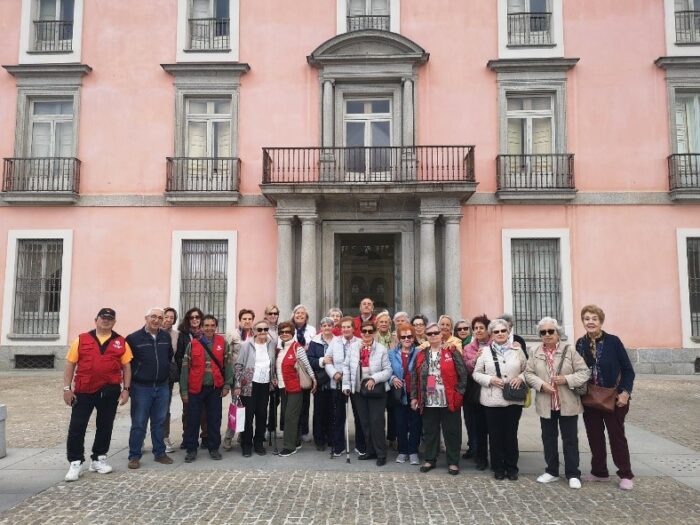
<point>275,400</point>
<point>390,422</point>
<point>569,437</point>
<point>304,416</point>
<point>503,437</point>
<point>360,442</point>
<point>323,416</point>
<point>435,419</point>
<point>255,408</point>
<point>105,402</point>
<point>477,430</point>
<point>207,402</point>
<point>338,408</point>
<point>372,411</point>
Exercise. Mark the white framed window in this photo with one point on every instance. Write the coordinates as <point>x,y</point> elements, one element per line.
<point>367,134</point>
<point>208,30</point>
<point>51,31</point>
<point>51,128</point>
<point>687,119</point>
<point>537,277</point>
<point>530,122</point>
<point>208,127</point>
<point>204,273</point>
<point>37,287</point>
<point>382,15</point>
<point>688,245</point>
<point>530,28</point>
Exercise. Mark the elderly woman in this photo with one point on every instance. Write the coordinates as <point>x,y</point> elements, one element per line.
<point>554,369</point>
<point>501,364</point>
<point>418,323</point>
<point>445,324</point>
<point>255,375</point>
<point>437,387</point>
<point>303,334</point>
<point>606,357</point>
<point>399,318</point>
<point>383,324</point>
<point>272,316</point>
<point>407,422</point>
<point>336,314</point>
<point>323,402</point>
<point>366,374</point>
<point>290,352</point>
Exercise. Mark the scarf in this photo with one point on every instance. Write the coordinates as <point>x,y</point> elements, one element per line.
<point>501,349</point>
<point>385,339</point>
<point>364,356</point>
<point>300,334</point>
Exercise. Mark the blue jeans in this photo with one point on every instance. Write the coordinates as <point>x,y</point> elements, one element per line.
<point>208,401</point>
<point>148,402</point>
<point>408,429</point>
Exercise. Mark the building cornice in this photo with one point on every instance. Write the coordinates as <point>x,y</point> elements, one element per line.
<point>691,62</point>
<point>529,65</point>
<point>32,71</point>
<point>193,68</point>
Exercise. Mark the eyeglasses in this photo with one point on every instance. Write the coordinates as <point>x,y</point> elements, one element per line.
<point>288,332</point>
<point>549,331</point>
<point>419,323</point>
<point>367,331</point>
<point>502,331</point>
<point>462,328</point>
<point>430,334</point>
<point>273,313</point>
<point>406,337</point>
<point>195,317</point>
<point>261,330</point>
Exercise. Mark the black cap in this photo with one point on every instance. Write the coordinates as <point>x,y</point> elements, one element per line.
<point>107,313</point>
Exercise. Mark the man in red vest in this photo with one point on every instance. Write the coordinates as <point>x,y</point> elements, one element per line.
<point>366,314</point>
<point>97,363</point>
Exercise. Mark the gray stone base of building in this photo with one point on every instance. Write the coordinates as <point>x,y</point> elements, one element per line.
<point>8,355</point>
<point>672,361</point>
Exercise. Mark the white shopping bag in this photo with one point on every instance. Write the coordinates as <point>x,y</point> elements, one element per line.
<point>240,418</point>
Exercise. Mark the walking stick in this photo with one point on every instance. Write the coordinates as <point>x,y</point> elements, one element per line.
<point>347,432</point>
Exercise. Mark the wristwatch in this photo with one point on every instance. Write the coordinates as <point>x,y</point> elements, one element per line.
<point>126,388</point>
<point>66,389</point>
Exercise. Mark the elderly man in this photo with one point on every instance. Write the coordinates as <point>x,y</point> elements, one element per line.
<point>366,314</point>
<point>96,364</point>
<point>150,392</point>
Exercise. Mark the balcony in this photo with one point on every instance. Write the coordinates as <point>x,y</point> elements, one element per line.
<point>53,36</point>
<point>376,22</point>
<point>530,30</point>
<point>536,177</point>
<point>202,181</point>
<point>684,176</point>
<point>209,34</point>
<point>687,27</point>
<point>45,180</point>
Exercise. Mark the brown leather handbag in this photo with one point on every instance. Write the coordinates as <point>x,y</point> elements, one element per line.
<point>600,397</point>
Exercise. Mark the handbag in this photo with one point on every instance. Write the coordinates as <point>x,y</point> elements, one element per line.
<point>322,379</point>
<point>600,397</point>
<point>304,378</point>
<point>236,416</point>
<point>173,372</point>
<point>510,393</point>
<point>376,392</point>
<point>578,390</point>
<point>395,397</point>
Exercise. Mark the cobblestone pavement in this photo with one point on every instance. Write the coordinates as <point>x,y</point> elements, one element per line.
<point>314,497</point>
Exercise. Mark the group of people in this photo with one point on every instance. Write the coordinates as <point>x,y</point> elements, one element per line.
<point>407,387</point>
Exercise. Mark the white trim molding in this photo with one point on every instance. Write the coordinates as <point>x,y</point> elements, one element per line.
<point>27,56</point>
<point>557,31</point>
<point>230,55</point>
<point>212,235</point>
<point>507,235</point>
<point>682,236</point>
<point>13,238</point>
<point>672,48</point>
<point>394,16</point>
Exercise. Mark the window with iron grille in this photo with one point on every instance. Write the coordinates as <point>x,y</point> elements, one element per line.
<point>38,287</point>
<point>203,277</point>
<point>536,281</point>
<point>693,247</point>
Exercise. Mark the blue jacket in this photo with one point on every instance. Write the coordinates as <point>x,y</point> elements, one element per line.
<point>613,360</point>
<point>397,368</point>
<point>316,351</point>
<point>151,363</point>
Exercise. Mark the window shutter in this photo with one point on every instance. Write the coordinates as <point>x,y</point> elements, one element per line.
<point>200,9</point>
<point>683,115</point>
<point>41,140</point>
<point>380,7</point>
<point>515,136</point>
<point>542,136</point>
<point>222,139</point>
<point>517,6</point>
<point>197,139</point>
<point>357,8</point>
<point>64,139</point>
<point>47,10</point>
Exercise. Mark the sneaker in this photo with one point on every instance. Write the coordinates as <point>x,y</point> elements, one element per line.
<point>574,483</point>
<point>228,443</point>
<point>401,458</point>
<point>134,463</point>
<point>100,465</point>
<point>164,460</point>
<point>358,452</point>
<point>287,452</point>
<point>306,438</point>
<point>591,477</point>
<point>74,471</point>
<point>338,454</point>
<point>414,459</point>
<point>547,478</point>
<point>169,446</point>
<point>191,456</point>
<point>215,455</point>
<point>626,484</point>
<point>298,448</point>
<point>260,451</point>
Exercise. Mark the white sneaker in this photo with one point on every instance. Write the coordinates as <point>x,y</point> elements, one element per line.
<point>401,458</point>
<point>100,465</point>
<point>306,438</point>
<point>414,459</point>
<point>547,478</point>
<point>575,483</point>
<point>169,447</point>
<point>75,471</point>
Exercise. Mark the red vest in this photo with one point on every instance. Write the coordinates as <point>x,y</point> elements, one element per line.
<point>96,369</point>
<point>198,363</point>
<point>290,376</point>
<point>357,324</point>
<point>448,371</point>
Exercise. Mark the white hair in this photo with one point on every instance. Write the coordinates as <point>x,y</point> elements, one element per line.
<point>398,315</point>
<point>154,309</point>
<point>551,320</point>
<point>496,322</point>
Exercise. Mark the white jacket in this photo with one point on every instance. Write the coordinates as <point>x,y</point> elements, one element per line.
<point>512,364</point>
<point>379,367</point>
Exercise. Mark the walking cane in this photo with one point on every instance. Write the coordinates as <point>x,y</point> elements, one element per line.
<point>338,386</point>
<point>347,432</point>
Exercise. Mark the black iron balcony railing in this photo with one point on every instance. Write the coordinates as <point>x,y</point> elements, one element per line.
<point>210,34</point>
<point>358,23</point>
<point>53,36</point>
<point>43,174</point>
<point>684,171</point>
<point>200,174</point>
<point>529,29</point>
<point>535,172</point>
<point>687,27</point>
<point>410,164</point>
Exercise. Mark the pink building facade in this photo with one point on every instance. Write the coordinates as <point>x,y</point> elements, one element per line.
<point>529,156</point>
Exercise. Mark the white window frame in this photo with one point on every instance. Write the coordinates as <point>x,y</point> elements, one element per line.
<point>53,120</point>
<point>673,49</point>
<point>209,119</point>
<point>682,235</point>
<point>183,12</point>
<point>394,16</point>
<point>557,31</point>
<point>13,238</point>
<point>176,270</point>
<point>26,34</point>
<point>529,115</point>
<point>507,235</point>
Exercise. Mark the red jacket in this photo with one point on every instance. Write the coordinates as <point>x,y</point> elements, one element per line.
<point>97,369</point>
<point>357,323</point>
<point>450,379</point>
<point>290,376</point>
<point>198,364</point>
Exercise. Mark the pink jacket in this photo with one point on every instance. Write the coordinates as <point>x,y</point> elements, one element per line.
<point>471,351</point>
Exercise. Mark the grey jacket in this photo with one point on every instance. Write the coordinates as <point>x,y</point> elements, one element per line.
<point>245,366</point>
<point>379,367</point>
<point>338,349</point>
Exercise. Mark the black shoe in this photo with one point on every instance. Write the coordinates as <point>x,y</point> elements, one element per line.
<point>499,475</point>
<point>367,456</point>
<point>513,476</point>
<point>205,443</point>
<point>468,454</point>
<point>247,453</point>
<point>321,448</point>
<point>427,467</point>
<point>182,446</point>
<point>191,456</point>
<point>482,465</point>
<point>260,451</point>
<point>287,452</point>
<point>215,454</point>
<point>381,462</point>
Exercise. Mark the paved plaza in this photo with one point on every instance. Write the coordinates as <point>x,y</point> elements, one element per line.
<point>308,487</point>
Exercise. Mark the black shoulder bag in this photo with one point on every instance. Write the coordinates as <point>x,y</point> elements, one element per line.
<point>213,358</point>
<point>509,393</point>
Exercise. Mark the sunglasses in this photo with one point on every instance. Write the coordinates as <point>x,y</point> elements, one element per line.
<point>273,313</point>
<point>195,317</point>
<point>406,337</point>
<point>432,333</point>
<point>502,331</point>
<point>463,329</point>
<point>261,330</point>
<point>367,331</point>
<point>288,332</point>
<point>549,331</point>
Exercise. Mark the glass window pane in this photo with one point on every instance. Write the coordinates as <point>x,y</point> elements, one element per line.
<point>541,103</point>
<point>542,136</point>
<point>515,103</point>
<point>67,10</point>
<point>380,7</point>
<point>222,107</point>
<point>64,139</point>
<point>222,139</point>
<point>693,252</point>
<point>200,9</point>
<point>47,9</point>
<point>354,134</point>
<point>354,106</point>
<point>357,7</point>
<point>41,139</point>
<point>66,108</point>
<point>516,134</point>
<point>197,139</point>
<point>47,108</point>
<point>381,106</point>
<point>221,9</point>
<point>197,107</point>
<point>538,6</point>
<point>381,134</point>
<point>355,139</point>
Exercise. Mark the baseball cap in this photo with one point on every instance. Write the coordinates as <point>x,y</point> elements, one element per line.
<point>107,313</point>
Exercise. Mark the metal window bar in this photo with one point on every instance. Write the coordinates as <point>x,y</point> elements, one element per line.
<point>361,22</point>
<point>693,247</point>
<point>54,174</point>
<point>204,278</point>
<point>529,29</point>
<point>210,34</point>
<point>536,282</point>
<point>202,174</point>
<point>687,27</point>
<point>541,172</point>
<point>29,362</point>
<point>684,171</point>
<point>38,287</point>
<point>53,36</point>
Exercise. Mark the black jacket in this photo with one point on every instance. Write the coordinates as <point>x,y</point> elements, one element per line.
<point>151,363</point>
<point>612,362</point>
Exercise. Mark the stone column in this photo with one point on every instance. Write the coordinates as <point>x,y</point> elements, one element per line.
<point>309,278</point>
<point>453,284</point>
<point>428,292</point>
<point>285,269</point>
<point>327,117</point>
<point>408,134</point>
<point>3,443</point>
